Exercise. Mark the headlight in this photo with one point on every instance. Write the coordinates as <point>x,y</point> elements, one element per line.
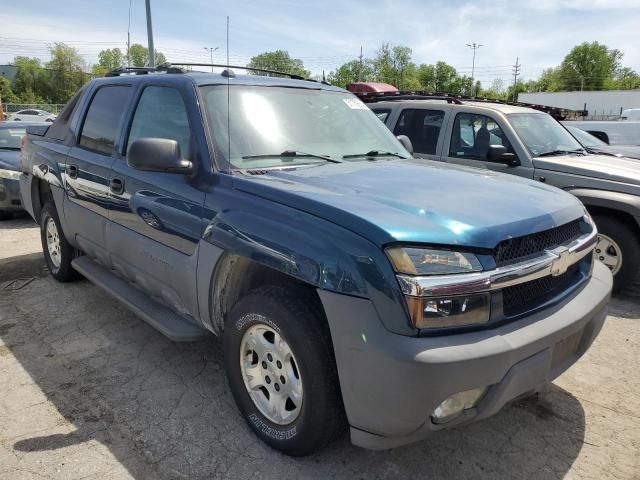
<point>441,312</point>
<point>447,312</point>
<point>428,261</point>
<point>10,174</point>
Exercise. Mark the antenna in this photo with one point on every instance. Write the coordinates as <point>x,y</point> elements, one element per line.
<point>228,107</point>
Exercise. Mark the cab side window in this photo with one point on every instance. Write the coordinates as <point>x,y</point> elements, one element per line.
<point>422,127</point>
<point>102,122</point>
<point>473,134</point>
<point>161,113</point>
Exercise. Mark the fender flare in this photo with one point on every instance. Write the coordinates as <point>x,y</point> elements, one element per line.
<point>621,202</point>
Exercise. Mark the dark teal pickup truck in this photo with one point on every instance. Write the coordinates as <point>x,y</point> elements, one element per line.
<point>353,286</point>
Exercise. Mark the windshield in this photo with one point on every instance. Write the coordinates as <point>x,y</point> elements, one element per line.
<point>10,138</point>
<point>541,134</point>
<point>585,138</point>
<point>279,126</point>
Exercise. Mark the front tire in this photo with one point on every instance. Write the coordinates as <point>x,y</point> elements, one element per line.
<point>618,249</point>
<point>281,369</point>
<point>58,253</point>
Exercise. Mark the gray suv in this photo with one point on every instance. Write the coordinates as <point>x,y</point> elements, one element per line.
<point>528,143</point>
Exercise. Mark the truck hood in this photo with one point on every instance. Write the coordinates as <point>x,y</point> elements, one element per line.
<point>10,159</point>
<point>418,201</point>
<point>606,167</point>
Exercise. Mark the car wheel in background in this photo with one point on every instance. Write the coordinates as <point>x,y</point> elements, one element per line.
<point>281,369</point>
<point>58,253</point>
<point>618,249</point>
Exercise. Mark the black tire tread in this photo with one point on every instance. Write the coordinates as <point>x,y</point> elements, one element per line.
<point>628,239</point>
<point>65,272</point>
<point>303,304</point>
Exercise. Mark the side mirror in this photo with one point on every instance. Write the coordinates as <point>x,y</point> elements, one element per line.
<point>499,154</point>
<point>406,143</point>
<point>600,135</point>
<point>158,155</point>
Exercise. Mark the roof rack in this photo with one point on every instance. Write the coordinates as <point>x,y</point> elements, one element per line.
<point>169,67</point>
<point>555,112</point>
<point>165,67</point>
<point>386,97</point>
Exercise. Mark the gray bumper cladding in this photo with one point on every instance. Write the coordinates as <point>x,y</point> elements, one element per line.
<point>391,383</point>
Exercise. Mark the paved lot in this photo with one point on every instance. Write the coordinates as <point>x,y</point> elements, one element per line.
<point>89,391</point>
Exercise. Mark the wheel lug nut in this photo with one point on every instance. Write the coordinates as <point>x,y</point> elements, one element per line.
<point>598,250</point>
<point>279,364</point>
<point>282,380</point>
<point>267,379</point>
<point>264,364</point>
<point>277,387</point>
<point>269,357</point>
<point>601,258</point>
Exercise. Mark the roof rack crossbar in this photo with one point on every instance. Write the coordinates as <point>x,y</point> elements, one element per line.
<point>165,67</point>
<point>394,97</point>
<point>263,70</point>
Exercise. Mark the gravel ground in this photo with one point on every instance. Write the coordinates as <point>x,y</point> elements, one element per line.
<point>87,390</point>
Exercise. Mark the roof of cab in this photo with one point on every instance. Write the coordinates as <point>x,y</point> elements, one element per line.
<point>500,107</point>
<point>211,78</point>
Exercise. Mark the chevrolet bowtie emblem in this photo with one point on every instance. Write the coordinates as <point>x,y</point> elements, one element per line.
<point>562,263</point>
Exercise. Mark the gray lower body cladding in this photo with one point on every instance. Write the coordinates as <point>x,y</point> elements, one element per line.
<point>391,384</point>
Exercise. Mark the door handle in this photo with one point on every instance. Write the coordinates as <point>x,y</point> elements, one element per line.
<point>117,186</point>
<point>72,171</point>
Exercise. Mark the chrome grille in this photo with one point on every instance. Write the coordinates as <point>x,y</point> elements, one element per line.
<point>527,296</point>
<point>519,248</point>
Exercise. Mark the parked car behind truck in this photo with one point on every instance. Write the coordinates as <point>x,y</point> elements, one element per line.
<point>528,143</point>
<point>352,285</point>
<point>10,139</point>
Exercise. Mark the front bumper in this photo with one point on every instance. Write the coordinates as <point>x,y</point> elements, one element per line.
<point>10,195</point>
<point>391,383</point>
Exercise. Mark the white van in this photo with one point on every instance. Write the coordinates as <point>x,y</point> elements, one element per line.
<point>631,114</point>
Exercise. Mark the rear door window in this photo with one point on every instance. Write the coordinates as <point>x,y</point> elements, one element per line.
<point>422,127</point>
<point>382,114</point>
<point>104,117</point>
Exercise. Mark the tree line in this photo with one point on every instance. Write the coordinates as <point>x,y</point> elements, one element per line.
<point>55,81</point>
<point>588,66</point>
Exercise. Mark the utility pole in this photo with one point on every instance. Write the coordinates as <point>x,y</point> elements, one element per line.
<point>360,67</point>
<point>211,51</point>
<point>516,73</point>
<point>581,82</point>
<point>152,56</point>
<point>129,36</point>
<point>473,46</point>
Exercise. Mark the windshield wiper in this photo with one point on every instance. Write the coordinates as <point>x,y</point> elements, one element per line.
<point>288,154</point>
<point>16,149</point>
<point>374,153</point>
<point>561,152</point>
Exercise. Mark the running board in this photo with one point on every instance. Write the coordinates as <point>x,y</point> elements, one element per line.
<point>170,324</point>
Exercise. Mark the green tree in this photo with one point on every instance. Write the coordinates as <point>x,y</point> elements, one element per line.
<point>443,78</point>
<point>393,65</point>
<point>139,56</point>
<point>6,93</point>
<point>625,79</point>
<point>278,60</point>
<point>29,75</point>
<point>65,73</point>
<point>351,72</point>
<point>108,60</point>
<point>588,66</point>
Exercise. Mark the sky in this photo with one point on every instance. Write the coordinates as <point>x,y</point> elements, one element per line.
<point>326,34</point>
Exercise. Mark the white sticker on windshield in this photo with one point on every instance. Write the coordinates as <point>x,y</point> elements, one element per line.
<point>354,103</point>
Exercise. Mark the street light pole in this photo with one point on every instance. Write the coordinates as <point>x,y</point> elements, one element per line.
<point>473,46</point>
<point>211,51</point>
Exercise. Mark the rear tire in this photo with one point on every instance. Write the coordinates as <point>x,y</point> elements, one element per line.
<point>311,413</point>
<point>6,215</point>
<point>619,241</point>
<point>58,252</point>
